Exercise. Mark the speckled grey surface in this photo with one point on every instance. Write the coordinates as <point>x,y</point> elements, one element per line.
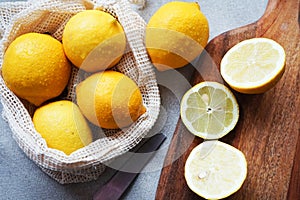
<point>20,178</point>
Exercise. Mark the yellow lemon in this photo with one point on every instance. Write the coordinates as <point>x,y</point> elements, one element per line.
<point>215,170</point>
<point>253,66</point>
<point>209,110</point>
<point>35,67</point>
<point>110,99</point>
<point>63,126</point>
<point>176,34</point>
<point>94,40</point>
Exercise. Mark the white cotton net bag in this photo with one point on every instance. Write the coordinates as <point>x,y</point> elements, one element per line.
<point>50,16</point>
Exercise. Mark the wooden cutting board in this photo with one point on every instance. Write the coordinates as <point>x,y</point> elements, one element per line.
<point>268,128</point>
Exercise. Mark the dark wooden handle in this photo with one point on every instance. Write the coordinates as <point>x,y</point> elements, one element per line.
<point>268,129</point>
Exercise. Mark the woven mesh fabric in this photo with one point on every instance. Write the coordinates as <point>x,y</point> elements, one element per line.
<point>50,16</point>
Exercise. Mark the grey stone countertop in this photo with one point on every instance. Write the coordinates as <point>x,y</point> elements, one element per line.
<point>20,178</point>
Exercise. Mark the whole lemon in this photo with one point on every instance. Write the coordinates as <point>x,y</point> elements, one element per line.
<point>63,126</point>
<point>94,40</point>
<point>176,34</point>
<point>110,99</point>
<point>35,67</point>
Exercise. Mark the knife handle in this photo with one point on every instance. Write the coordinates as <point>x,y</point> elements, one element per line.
<point>118,184</point>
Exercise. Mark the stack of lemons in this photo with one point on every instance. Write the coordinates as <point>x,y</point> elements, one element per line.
<point>37,68</point>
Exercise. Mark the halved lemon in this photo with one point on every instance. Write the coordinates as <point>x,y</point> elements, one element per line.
<point>209,110</point>
<point>215,170</point>
<point>253,66</point>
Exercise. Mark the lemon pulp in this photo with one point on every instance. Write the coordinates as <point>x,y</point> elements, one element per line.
<point>215,170</point>
<point>209,110</point>
<point>253,66</point>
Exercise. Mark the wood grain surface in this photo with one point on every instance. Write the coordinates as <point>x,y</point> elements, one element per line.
<point>268,128</point>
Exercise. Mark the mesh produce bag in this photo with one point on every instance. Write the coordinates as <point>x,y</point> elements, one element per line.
<point>50,16</point>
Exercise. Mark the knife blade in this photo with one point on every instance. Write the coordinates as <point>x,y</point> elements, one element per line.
<point>122,179</point>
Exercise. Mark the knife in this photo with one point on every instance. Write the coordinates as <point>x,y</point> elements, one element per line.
<point>122,179</point>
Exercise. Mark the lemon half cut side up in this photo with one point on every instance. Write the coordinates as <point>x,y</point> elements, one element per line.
<point>215,170</point>
<point>209,110</point>
<point>253,66</point>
